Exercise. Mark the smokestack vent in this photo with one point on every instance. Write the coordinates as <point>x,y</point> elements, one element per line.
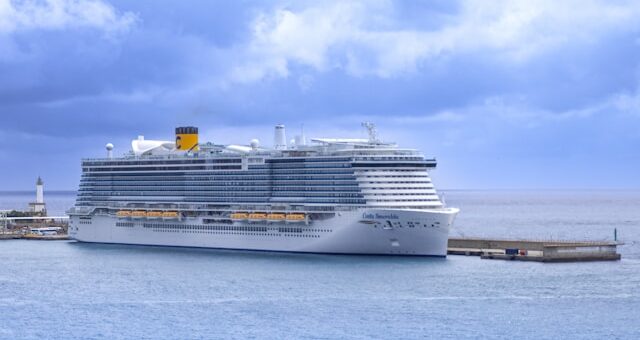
<point>280,138</point>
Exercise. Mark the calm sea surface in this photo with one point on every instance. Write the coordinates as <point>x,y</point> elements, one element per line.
<point>68,290</point>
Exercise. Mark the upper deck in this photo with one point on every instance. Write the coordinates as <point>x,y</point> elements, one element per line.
<point>328,172</point>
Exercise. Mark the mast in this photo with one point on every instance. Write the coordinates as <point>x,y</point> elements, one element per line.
<point>371,130</point>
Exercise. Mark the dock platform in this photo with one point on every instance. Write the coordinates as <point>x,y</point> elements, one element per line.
<point>538,251</point>
<point>46,237</point>
<point>17,236</point>
<point>8,236</point>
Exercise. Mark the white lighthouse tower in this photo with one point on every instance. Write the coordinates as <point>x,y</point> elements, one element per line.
<point>38,206</point>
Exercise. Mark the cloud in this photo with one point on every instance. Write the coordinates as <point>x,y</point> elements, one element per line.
<point>323,38</point>
<point>136,96</point>
<point>470,81</point>
<point>446,116</point>
<point>628,103</point>
<point>62,14</point>
<point>365,39</point>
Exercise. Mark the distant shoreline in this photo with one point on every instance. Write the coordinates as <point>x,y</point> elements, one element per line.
<point>544,189</point>
<point>30,192</point>
<point>73,192</point>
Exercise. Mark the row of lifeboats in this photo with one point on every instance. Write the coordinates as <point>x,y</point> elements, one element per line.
<point>268,216</point>
<point>147,214</point>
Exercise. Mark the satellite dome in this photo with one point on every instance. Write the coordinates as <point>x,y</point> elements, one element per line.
<point>254,143</point>
<point>109,146</point>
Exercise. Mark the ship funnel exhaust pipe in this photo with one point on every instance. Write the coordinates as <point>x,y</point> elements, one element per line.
<point>187,138</point>
<point>280,138</point>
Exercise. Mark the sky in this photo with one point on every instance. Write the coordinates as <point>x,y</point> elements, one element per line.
<point>505,94</point>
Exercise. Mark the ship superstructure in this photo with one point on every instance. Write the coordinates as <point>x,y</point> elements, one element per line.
<point>347,196</point>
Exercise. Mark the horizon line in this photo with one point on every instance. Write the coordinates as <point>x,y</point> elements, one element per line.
<point>439,190</point>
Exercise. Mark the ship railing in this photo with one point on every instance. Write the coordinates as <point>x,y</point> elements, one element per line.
<point>223,206</point>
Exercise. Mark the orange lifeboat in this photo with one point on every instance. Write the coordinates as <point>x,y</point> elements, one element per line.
<point>154,214</point>
<point>239,216</point>
<point>139,213</point>
<point>170,214</point>
<point>295,217</point>
<point>257,216</point>
<point>276,217</point>
<point>123,213</point>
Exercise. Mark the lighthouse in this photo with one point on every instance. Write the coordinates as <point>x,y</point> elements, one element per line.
<point>38,206</point>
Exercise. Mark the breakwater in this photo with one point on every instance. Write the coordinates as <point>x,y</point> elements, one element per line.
<point>535,250</point>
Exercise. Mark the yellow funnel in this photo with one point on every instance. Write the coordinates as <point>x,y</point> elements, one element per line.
<point>187,138</point>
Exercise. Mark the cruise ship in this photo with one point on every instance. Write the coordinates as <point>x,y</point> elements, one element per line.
<point>330,196</point>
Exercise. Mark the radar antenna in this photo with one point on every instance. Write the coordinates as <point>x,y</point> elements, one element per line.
<point>373,133</point>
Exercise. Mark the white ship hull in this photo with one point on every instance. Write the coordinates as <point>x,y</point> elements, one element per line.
<point>366,231</point>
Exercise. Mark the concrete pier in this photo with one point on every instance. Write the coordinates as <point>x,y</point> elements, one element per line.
<point>539,251</point>
<point>45,237</point>
<point>17,236</point>
<point>9,236</point>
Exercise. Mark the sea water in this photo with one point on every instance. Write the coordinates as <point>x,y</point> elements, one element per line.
<point>69,290</point>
